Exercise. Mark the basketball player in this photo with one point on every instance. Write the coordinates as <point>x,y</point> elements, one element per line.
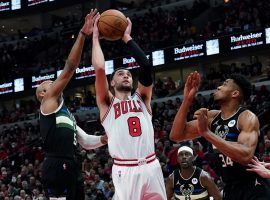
<point>190,182</point>
<point>261,168</point>
<point>61,171</point>
<point>136,172</point>
<point>232,130</point>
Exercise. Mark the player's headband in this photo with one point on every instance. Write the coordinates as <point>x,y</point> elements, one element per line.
<point>185,148</point>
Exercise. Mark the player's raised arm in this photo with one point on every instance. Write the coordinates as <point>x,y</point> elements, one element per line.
<point>145,84</point>
<point>74,57</point>
<point>48,92</point>
<point>181,129</point>
<point>101,84</point>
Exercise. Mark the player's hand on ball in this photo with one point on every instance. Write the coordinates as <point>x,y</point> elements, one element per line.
<point>96,34</point>
<point>104,139</point>
<point>127,33</point>
<point>89,22</point>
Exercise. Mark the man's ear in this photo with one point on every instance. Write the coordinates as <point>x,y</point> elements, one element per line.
<point>236,93</point>
<point>41,95</point>
<point>112,83</point>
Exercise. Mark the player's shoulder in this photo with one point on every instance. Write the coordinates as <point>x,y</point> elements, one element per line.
<point>204,177</point>
<point>248,119</point>
<point>204,174</point>
<point>171,177</point>
<point>247,114</point>
<point>246,111</point>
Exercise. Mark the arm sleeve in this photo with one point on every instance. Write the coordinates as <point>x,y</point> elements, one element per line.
<point>145,73</point>
<point>88,141</point>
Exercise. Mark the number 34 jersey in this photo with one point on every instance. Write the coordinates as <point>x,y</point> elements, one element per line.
<point>228,130</point>
<point>128,125</point>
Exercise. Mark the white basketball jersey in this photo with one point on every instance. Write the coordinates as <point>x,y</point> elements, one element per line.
<point>128,124</point>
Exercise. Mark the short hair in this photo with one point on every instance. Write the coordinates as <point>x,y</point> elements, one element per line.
<point>120,68</point>
<point>243,83</point>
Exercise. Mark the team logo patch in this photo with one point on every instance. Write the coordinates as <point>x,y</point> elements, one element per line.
<point>194,181</point>
<point>187,190</point>
<point>222,131</point>
<point>231,123</point>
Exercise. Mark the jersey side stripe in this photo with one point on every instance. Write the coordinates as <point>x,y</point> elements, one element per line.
<point>63,121</point>
<point>65,126</point>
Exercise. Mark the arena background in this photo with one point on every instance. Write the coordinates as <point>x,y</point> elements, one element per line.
<point>214,37</point>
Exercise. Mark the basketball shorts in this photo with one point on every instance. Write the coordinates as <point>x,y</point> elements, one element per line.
<point>61,178</point>
<point>259,189</point>
<point>139,182</point>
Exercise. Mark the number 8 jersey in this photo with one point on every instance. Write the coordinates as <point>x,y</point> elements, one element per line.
<point>128,125</point>
<point>227,129</point>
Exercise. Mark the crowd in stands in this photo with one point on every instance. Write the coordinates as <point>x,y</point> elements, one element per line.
<point>164,87</point>
<point>21,151</point>
<point>152,30</point>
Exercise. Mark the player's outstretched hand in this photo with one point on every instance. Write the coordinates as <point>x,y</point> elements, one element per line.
<point>191,86</point>
<point>89,22</point>
<point>96,34</point>
<point>259,167</point>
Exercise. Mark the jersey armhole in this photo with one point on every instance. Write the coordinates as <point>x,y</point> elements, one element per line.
<point>108,110</point>
<point>138,95</point>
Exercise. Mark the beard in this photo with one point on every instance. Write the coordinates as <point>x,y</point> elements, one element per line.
<point>123,88</point>
<point>220,99</point>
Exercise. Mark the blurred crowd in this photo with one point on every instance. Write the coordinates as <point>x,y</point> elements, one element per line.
<point>163,87</point>
<point>21,151</point>
<point>42,51</point>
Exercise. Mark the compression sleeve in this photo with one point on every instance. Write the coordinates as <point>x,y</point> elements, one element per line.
<point>88,141</point>
<point>145,70</point>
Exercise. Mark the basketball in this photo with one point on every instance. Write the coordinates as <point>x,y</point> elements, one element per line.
<point>112,24</point>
